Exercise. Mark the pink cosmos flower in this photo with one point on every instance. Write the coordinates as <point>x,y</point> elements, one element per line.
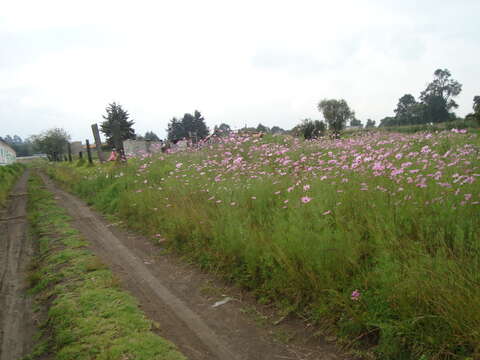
<point>355,295</point>
<point>306,187</point>
<point>306,199</point>
<point>327,212</point>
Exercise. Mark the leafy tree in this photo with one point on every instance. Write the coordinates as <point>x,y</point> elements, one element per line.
<point>336,113</point>
<point>355,122</point>
<point>277,130</point>
<point>52,142</point>
<point>310,129</point>
<point>409,111</point>
<point>476,105</point>
<point>262,128</point>
<point>370,124</point>
<point>388,121</point>
<point>222,129</point>
<point>476,110</point>
<point>438,96</point>
<point>21,147</point>
<point>189,127</point>
<point>151,136</point>
<point>117,122</point>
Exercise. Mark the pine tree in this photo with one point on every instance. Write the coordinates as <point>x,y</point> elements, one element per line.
<point>116,121</point>
<point>189,127</point>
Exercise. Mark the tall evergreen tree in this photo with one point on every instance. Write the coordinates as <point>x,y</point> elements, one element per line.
<point>189,127</point>
<point>117,121</point>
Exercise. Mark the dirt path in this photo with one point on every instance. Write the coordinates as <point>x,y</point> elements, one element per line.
<point>176,296</point>
<point>16,318</point>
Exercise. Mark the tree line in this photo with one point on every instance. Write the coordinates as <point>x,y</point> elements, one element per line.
<point>435,104</point>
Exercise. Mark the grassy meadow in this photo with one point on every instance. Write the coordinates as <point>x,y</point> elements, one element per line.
<point>373,237</point>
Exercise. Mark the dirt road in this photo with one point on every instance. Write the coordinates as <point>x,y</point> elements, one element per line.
<point>172,294</point>
<point>16,318</point>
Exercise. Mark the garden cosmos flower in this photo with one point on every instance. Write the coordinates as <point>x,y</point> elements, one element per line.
<point>305,199</point>
<point>355,295</point>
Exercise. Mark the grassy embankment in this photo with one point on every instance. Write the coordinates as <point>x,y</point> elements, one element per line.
<point>8,175</point>
<point>373,237</point>
<point>89,316</point>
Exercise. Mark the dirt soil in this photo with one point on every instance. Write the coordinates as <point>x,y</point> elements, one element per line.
<point>17,324</point>
<point>179,298</point>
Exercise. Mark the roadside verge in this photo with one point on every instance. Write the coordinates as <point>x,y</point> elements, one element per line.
<point>89,316</point>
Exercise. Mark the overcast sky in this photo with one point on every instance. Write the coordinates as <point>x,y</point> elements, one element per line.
<point>239,62</point>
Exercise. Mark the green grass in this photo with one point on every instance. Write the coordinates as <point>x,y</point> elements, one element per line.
<point>8,175</point>
<point>455,124</point>
<point>408,242</point>
<point>89,316</point>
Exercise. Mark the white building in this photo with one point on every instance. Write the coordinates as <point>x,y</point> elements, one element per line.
<point>7,154</point>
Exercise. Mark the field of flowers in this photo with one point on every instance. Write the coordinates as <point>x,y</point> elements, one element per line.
<point>374,237</point>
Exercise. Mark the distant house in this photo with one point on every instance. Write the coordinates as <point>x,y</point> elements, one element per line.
<point>7,154</point>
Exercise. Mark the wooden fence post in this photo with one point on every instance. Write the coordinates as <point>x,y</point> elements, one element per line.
<point>69,152</point>
<point>89,152</point>
<point>98,143</point>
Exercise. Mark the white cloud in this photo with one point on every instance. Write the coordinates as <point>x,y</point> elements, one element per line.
<point>237,62</point>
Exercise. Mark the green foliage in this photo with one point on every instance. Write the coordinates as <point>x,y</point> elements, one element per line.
<point>222,129</point>
<point>89,316</point>
<point>189,127</point>
<point>438,96</point>
<point>336,113</point>
<point>476,110</point>
<point>151,136</point>
<point>356,122</point>
<point>52,142</point>
<point>8,175</point>
<point>262,128</point>
<point>310,129</point>
<point>21,147</point>
<point>117,126</point>
<point>467,123</point>
<point>414,259</point>
<point>277,130</point>
<point>436,103</point>
<point>408,112</point>
<point>476,105</point>
<point>370,124</point>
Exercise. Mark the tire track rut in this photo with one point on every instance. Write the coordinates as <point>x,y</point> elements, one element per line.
<point>171,296</point>
<point>16,317</point>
